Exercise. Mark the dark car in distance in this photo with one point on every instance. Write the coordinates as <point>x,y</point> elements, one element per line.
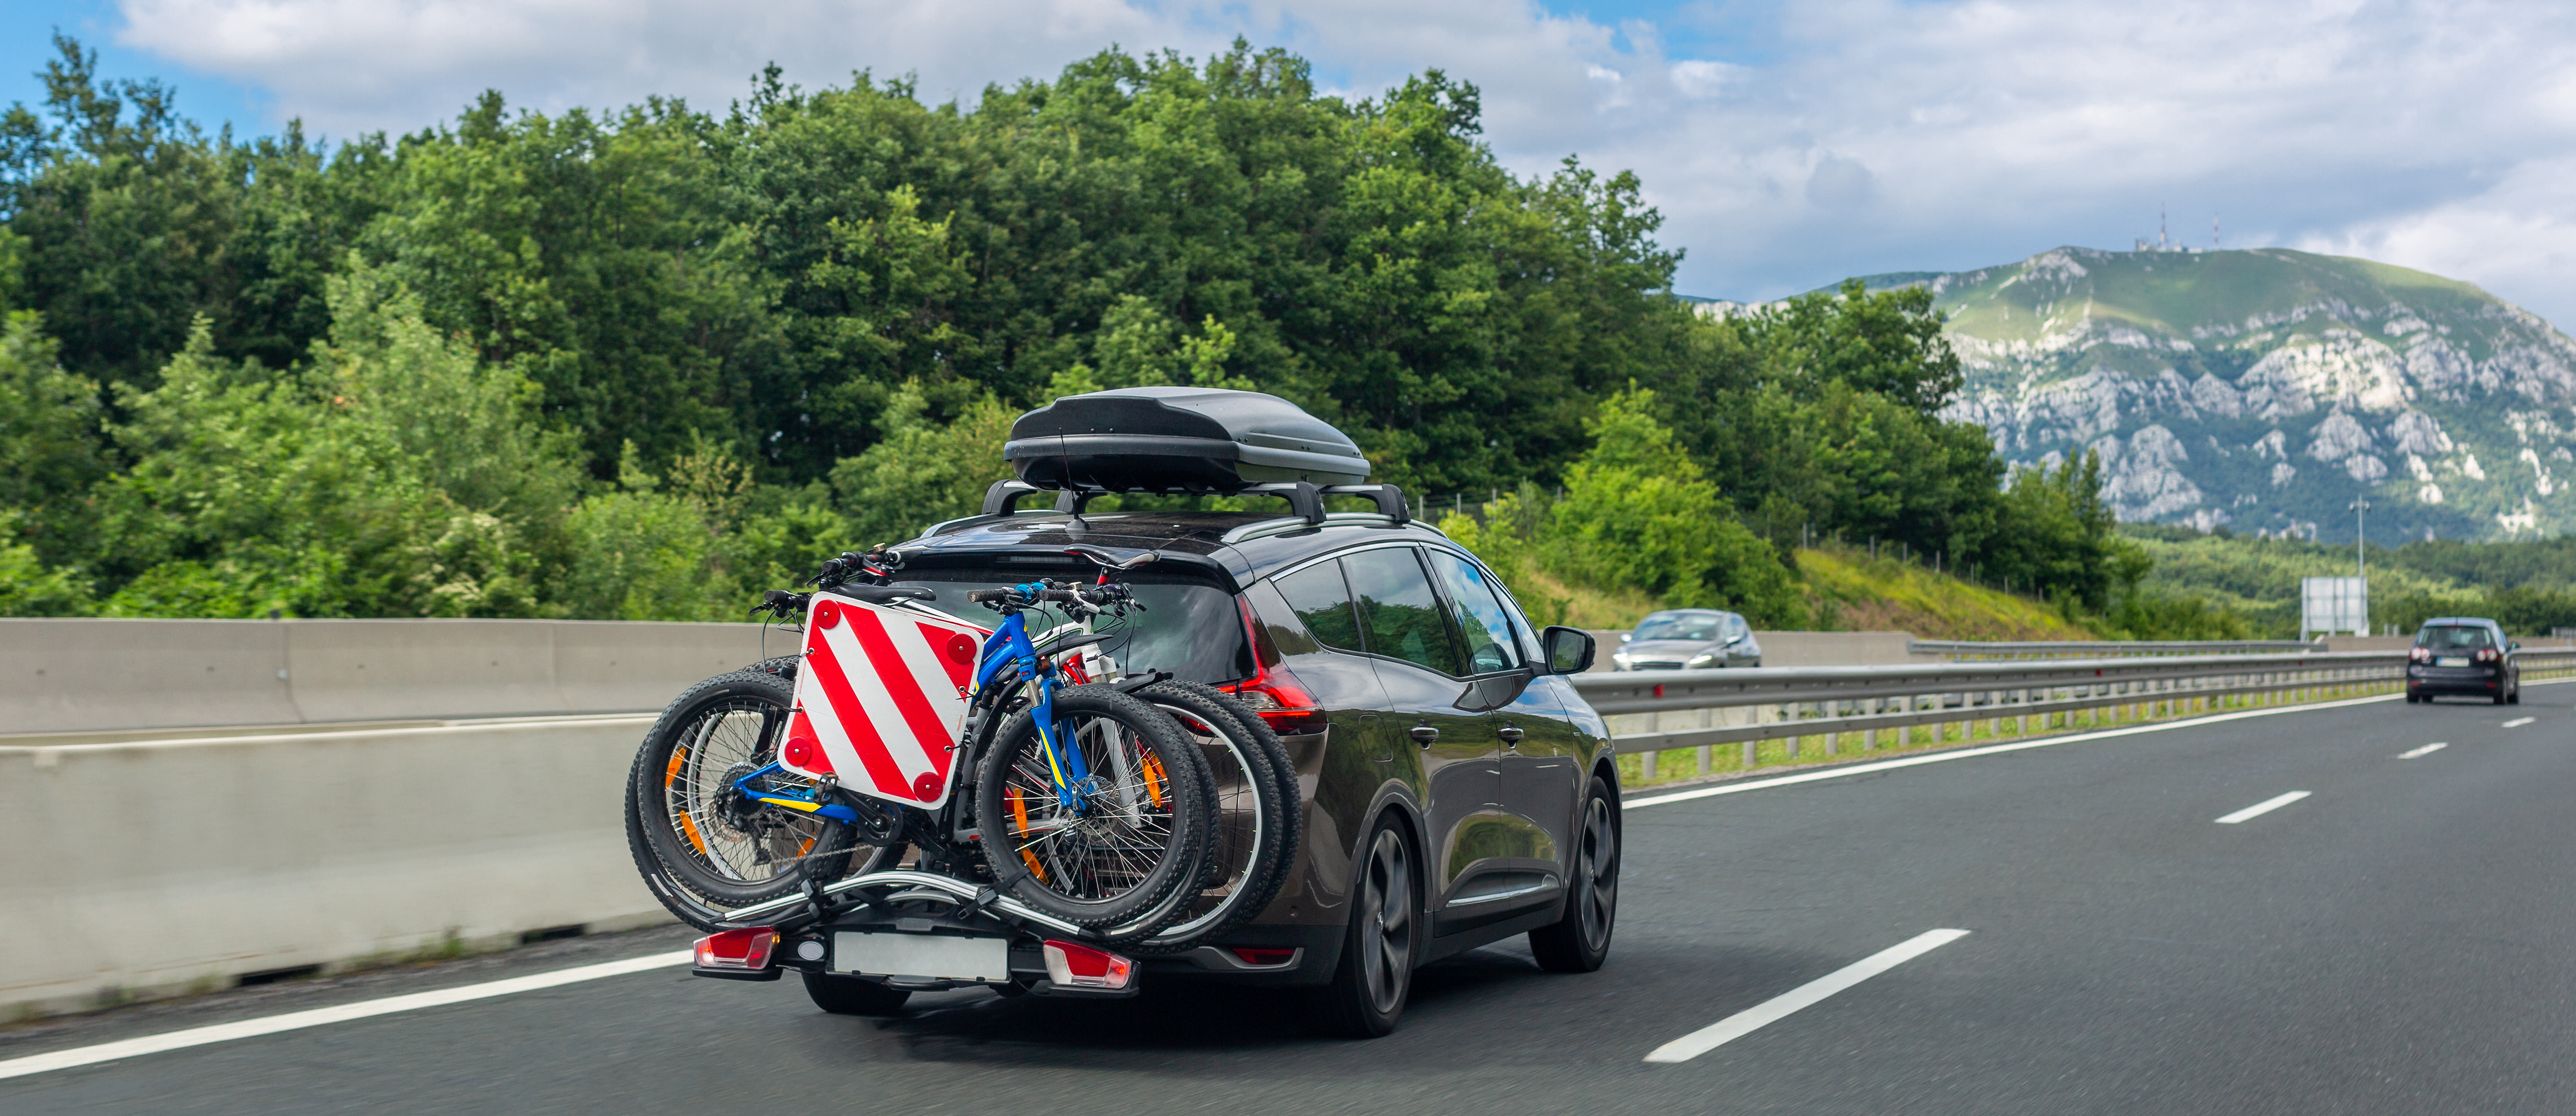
<point>1688,639</point>
<point>2463,655</point>
<point>1457,791</point>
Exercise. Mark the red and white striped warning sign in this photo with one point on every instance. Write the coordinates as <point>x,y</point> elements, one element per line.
<point>880,699</point>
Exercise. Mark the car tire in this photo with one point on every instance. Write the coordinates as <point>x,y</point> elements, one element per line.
<point>1580,941</point>
<point>1366,995</point>
<point>843,995</point>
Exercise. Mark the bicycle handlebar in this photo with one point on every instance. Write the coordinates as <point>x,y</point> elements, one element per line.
<point>1094,595</point>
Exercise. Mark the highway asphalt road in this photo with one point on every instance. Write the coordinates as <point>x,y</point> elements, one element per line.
<point>2398,941</point>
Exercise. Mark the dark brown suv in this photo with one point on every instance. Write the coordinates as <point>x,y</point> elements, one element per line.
<point>1456,791</point>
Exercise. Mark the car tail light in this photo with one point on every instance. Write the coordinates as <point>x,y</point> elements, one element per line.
<point>2420,654</point>
<point>2489,654</point>
<point>1272,692</point>
<point>737,949</point>
<point>1264,955</point>
<point>1080,966</point>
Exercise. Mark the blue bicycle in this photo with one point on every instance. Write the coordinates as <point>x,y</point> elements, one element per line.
<point>1093,805</point>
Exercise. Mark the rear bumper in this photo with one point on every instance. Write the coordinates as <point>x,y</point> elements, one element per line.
<point>1319,949</point>
<point>2456,680</point>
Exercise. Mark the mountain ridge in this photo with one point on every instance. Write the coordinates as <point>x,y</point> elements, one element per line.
<point>2266,389</point>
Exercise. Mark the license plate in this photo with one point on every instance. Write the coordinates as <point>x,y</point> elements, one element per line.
<point>2451,661</point>
<point>936,956</point>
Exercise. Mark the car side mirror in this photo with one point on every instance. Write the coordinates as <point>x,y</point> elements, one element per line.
<point>1569,650</point>
<point>1737,638</point>
<point>2513,645</point>
<point>1625,637</point>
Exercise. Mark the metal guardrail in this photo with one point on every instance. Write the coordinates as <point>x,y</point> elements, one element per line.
<point>1830,702</point>
<point>1960,649</point>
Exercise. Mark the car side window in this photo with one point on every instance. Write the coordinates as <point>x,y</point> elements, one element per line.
<point>1484,629</point>
<point>1400,616</point>
<point>1322,602</point>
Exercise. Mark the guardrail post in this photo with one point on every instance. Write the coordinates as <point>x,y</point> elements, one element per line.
<point>1646,767</point>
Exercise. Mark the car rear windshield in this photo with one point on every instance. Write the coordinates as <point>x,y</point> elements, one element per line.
<point>2454,635</point>
<point>1188,627</point>
<point>1680,625</point>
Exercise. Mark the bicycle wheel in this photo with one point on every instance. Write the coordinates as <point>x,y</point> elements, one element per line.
<point>702,844</point>
<point>1256,802</point>
<point>1112,844</point>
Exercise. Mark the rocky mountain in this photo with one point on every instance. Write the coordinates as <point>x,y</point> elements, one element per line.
<point>2267,389</point>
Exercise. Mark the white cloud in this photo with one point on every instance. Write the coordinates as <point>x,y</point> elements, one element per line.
<point>1839,137</point>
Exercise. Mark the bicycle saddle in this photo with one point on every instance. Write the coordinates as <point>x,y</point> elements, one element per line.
<point>883,594</point>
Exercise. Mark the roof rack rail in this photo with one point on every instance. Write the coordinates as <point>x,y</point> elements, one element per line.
<point>1004,498</point>
<point>1306,501</point>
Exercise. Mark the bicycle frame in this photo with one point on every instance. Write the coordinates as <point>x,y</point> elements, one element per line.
<point>1009,657</point>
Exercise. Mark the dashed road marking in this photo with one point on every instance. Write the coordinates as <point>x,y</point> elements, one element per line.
<point>1804,996</point>
<point>2261,808</point>
<point>2518,722</point>
<point>2429,749</point>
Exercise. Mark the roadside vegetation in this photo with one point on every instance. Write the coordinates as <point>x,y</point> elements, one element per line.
<point>2529,586</point>
<point>644,362</point>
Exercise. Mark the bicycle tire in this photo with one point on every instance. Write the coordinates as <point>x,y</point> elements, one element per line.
<point>727,845</point>
<point>1257,804</point>
<point>1173,834</point>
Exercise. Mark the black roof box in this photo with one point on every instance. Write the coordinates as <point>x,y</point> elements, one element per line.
<point>1178,439</point>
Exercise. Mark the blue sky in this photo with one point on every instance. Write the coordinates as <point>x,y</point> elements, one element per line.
<point>1788,144</point>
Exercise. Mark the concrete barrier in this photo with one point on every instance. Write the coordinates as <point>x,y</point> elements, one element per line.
<point>100,675</point>
<point>144,868</point>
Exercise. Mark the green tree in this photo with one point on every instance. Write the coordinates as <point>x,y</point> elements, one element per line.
<point>922,472</point>
<point>1637,514</point>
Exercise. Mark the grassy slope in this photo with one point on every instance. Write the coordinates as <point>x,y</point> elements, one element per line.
<point>1850,592</point>
<point>1884,594</point>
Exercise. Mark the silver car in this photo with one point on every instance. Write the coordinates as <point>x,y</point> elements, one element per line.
<point>1688,639</point>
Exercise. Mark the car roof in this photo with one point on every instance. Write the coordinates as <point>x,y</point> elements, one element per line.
<point>1239,547</point>
<point>2479,620</point>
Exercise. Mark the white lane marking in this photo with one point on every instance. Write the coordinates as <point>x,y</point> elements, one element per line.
<point>2518,722</point>
<point>2426,750</point>
<point>2261,808</point>
<point>1804,996</point>
<point>319,1017</point>
<point>1995,749</point>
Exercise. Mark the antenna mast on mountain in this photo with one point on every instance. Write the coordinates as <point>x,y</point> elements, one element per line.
<point>2161,242</point>
<point>2213,232</point>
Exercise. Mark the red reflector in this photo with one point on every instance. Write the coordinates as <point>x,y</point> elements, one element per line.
<point>1263,955</point>
<point>1080,966</point>
<point>737,949</point>
<point>799,751</point>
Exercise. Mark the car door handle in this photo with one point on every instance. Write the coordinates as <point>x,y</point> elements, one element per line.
<point>1425,734</point>
<point>1511,736</point>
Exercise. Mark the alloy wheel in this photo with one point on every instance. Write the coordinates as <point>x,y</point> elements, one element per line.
<point>1386,935</point>
<point>1598,890</point>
